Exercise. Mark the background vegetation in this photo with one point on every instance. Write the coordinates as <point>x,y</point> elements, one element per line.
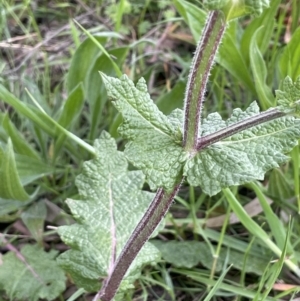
<point>50,82</point>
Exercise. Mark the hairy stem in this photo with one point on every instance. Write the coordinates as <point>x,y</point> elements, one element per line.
<point>202,62</point>
<point>240,126</point>
<point>198,77</point>
<point>153,216</point>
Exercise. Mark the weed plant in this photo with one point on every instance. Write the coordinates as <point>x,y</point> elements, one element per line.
<point>123,162</point>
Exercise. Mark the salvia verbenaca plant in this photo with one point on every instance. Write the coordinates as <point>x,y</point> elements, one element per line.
<point>115,217</point>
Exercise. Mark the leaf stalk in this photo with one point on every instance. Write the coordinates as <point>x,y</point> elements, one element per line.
<point>238,127</point>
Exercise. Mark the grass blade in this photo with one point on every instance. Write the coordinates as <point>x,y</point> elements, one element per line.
<point>253,228</point>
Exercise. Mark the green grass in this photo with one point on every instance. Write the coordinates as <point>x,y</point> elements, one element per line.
<point>53,105</point>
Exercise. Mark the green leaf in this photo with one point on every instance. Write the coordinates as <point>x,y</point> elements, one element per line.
<point>279,188</point>
<point>231,58</point>
<point>82,61</point>
<point>193,16</point>
<point>276,225</point>
<point>101,47</point>
<point>111,205</point>
<point>267,21</point>
<point>289,61</point>
<point>237,8</point>
<point>26,110</point>
<point>188,254</point>
<point>243,157</point>
<point>20,144</point>
<point>288,98</point>
<point>97,97</point>
<point>173,99</point>
<point>136,101</point>
<point>41,120</point>
<point>274,271</point>
<point>31,275</point>
<point>154,141</point>
<point>30,169</point>
<point>34,219</point>
<point>255,229</point>
<point>10,185</point>
<point>9,209</point>
<point>71,110</point>
<point>259,70</point>
<point>234,289</point>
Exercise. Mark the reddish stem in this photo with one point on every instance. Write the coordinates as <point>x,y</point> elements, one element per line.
<point>143,231</point>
